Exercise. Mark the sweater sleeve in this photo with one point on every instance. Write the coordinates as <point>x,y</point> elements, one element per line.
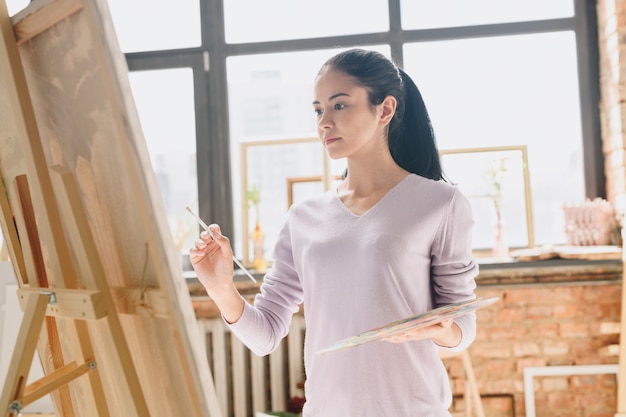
<point>453,268</point>
<point>264,324</point>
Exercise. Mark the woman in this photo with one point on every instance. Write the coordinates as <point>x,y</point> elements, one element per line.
<point>391,241</point>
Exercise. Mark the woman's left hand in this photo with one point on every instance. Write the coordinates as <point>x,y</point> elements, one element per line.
<point>445,334</point>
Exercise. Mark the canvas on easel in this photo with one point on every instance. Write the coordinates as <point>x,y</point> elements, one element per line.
<point>106,307</point>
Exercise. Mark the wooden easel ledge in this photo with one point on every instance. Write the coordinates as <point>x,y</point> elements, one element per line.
<point>88,304</point>
<point>75,304</point>
<point>49,14</point>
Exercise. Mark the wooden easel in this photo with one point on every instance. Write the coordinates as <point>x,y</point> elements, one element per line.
<point>78,305</point>
<point>39,300</point>
<point>111,335</point>
<point>473,404</point>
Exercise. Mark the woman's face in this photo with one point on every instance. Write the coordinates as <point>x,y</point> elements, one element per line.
<point>347,123</point>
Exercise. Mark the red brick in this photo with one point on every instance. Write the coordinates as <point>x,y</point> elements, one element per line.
<point>591,311</point>
<point>509,315</point>
<point>539,312</point>
<point>604,294</point>
<point>494,351</point>
<point>585,381</point>
<point>574,329</point>
<point>566,311</point>
<point>526,349</point>
<point>545,329</point>
<point>555,347</point>
<point>563,400</point>
<point>498,333</point>
<point>561,361</point>
<point>552,383</point>
<point>530,362</point>
<point>500,386</point>
<point>499,367</point>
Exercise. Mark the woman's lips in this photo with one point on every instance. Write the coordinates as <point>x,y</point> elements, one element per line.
<point>328,141</point>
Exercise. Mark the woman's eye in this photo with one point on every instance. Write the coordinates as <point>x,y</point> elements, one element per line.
<point>339,106</point>
<point>318,111</point>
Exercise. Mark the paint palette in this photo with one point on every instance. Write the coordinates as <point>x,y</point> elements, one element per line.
<point>428,318</point>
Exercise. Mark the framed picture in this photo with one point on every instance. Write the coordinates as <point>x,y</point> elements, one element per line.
<point>299,188</point>
<point>496,181</point>
<point>266,166</point>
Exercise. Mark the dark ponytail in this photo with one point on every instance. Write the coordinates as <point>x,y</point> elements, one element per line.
<point>413,145</point>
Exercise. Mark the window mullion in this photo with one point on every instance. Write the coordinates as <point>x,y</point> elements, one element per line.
<point>213,157</point>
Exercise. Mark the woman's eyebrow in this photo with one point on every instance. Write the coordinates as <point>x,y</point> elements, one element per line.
<point>334,96</point>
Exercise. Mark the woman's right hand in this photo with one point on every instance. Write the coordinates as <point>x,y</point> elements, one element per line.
<point>212,260</point>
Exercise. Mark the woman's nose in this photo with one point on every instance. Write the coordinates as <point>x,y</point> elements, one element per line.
<point>324,121</point>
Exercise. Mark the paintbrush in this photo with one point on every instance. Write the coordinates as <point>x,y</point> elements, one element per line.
<point>205,227</point>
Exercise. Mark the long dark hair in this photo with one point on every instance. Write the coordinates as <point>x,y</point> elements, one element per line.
<point>411,137</point>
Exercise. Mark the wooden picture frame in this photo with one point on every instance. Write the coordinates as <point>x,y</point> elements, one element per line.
<point>268,165</point>
<point>294,194</point>
<point>470,169</point>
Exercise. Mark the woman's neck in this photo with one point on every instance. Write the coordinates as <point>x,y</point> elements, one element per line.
<point>364,179</point>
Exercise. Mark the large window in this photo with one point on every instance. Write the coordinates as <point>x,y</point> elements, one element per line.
<point>169,126</point>
<point>210,76</point>
<point>509,91</point>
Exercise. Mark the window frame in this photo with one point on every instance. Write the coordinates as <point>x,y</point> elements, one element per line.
<point>208,63</point>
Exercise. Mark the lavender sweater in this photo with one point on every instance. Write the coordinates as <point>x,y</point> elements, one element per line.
<point>409,253</point>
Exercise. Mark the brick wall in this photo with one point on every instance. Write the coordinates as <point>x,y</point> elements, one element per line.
<point>540,325</point>
<point>612,42</point>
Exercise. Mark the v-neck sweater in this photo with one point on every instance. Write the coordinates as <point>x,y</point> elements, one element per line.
<point>409,253</point>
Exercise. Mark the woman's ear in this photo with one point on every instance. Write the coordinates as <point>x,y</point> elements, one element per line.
<point>388,109</point>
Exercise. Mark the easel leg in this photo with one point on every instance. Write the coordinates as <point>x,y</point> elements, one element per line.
<point>24,352</point>
<point>54,381</point>
<point>90,266</point>
<point>36,275</point>
<point>472,384</point>
<point>95,381</point>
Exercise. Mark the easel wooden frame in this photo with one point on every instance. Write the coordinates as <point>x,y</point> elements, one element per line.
<point>95,303</point>
<point>72,313</point>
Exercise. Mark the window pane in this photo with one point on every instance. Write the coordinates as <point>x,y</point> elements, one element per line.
<point>259,21</point>
<point>516,90</point>
<point>14,6</point>
<point>425,14</point>
<point>168,123</point>
<point>149,25</point>
<point>270,98</point>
